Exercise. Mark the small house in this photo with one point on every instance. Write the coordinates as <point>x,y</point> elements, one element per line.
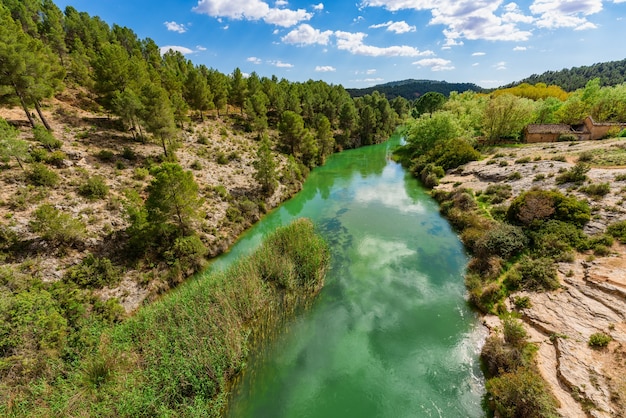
<point>587,130</point>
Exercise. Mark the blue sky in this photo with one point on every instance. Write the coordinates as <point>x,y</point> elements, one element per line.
<point>366,42</point>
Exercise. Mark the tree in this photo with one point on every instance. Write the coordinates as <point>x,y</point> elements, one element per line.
<point>265,167</point>
<point>218,83</point>
<point>324,136</point>
<point>292,131</point>
<point>506,115</point>
<point>10,145</point>
<point>428,103</point>
<point>427,131</point>
<point>256,111</point>
<point>197,92</point>
<point>173,199</point>
<point>157,115</point>
<point>238,89</point>
<point>28,72</point>
<point>128,106</point>
<point>111,72</point>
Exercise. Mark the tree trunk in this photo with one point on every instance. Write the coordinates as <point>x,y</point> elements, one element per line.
<point>164,146</point>
<point>28,115</point>
<point>19,162</point>
<point>41,116</point>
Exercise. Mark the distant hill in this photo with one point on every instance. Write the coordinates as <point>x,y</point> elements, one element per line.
<point>610,73</point>
<point>412,89</point>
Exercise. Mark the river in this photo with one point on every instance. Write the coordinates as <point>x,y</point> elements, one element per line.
<point>391,334</point>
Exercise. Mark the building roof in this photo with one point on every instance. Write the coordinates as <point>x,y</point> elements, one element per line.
<point>555,128</point>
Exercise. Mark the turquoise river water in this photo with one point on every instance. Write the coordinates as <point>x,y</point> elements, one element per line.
<point>391,334</point>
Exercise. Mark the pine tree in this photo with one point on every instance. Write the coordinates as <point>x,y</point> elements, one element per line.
<point>265,166</point>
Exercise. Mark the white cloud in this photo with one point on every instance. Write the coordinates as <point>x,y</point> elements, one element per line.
<point>565,13</point>
<point>467,19</point>
<point>280,64</point>
<point>353,43</point>
<point>370,71</point>
<point>280,3</point>
<point>254,60</point>
<point>183,50</point>
<point>368,80</point>
<point>320,7</point>
<point>475,64</point>
<point>200,48</point>
<point>479,54</point>
<point>520,48</point>
<point>325,68</point>
<point>500,66</point>
<point>397,27</point>
<point>175,27</point>
<point>435,64</point>
<point>305,34</point>
<point>252,10</point>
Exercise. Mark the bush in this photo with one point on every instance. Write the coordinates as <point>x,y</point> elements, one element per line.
<point>514,332</point>
<point>523,160</point>
<point>106,156</point>
<point>221,158</point>
<point>576,174</point>
<point>57,227</point>
<point>503,240</point>
<point>46,138</point>
<point>596,190</point>
<point>56,158</point>
<point>585,157</point>
<point>94,188</point>
<point>522,393</point>
<point>599,340</point>
<point>497,193</point>
<point>129,154</point>
<point>536,206</point>
<point>40,175</point>
<point>522,302</point>
<point>554,238</point>
<point>499,358</point>
<point>538,274</point>
<point>94,272</point>
<point>140,173</point>
<point>618,230</point>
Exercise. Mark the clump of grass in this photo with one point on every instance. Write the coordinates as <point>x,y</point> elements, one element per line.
<point>596,190</point>
<point>599,340</point>
<point>94,188</point>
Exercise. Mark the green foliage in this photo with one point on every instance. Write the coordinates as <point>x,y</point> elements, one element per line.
<point>40,175</point>
<point>505,116</point>
<point>535,206</point>
<point>188,251</point>
<point>94,188</point>
<point>599,340</point>
<point>106,156</point>
<point>190,343</point>
<point>503,240</point>
<point>46,138</point>
<point>576,174</point>
<point>522,393</point>
<point>537,274</point>
<point>94,272</point>
<point>10,145</point>
<point>555,238</point>
<point>428,103</point>
<point>522,302</point>
<point>173,198</point>
<point>514,332</point>
<point>265,167</point>
<point>497,193</point>
<point>617,230</point>
<point>596,190</point>
<point>57,227</point>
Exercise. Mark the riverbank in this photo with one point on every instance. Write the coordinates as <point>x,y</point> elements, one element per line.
<point>585,379</point>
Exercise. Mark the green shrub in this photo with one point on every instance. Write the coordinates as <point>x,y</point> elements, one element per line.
<point>535,206</point>
<point>576,174</point>
<point>431,174</point>
<point>503,240</point>
<point>599,340</point>
<point>221,158</point>
<point>522,160</point>
<point>38,155</point>
<point>567,138</point>
<point>596,190</point>
<point>129,154</point>
<point>106,155</point>
<point>522,393</point>
<point>57,227</point>
<point>56,158</point>
<point>516,175</point>
<point>522,302</point>
<point>40,175</point>
<point>618,230</point>
<point>554,237</point>
<point>514,332</point>
<point>538,274</point>
<point>196,165</point>
<point>585,157</point>
<point>46,138</point>
<point>539,177</point>
<point>140,173</point>
<point>189,251</point>
<point>94,272</point>
<point>497,193</point>
<point>94,188</point>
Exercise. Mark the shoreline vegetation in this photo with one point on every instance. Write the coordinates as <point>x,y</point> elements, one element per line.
<point>524,217</point>
<point>178,355</point>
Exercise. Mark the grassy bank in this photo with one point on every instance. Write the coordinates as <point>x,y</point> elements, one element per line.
<point>176,356</point>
